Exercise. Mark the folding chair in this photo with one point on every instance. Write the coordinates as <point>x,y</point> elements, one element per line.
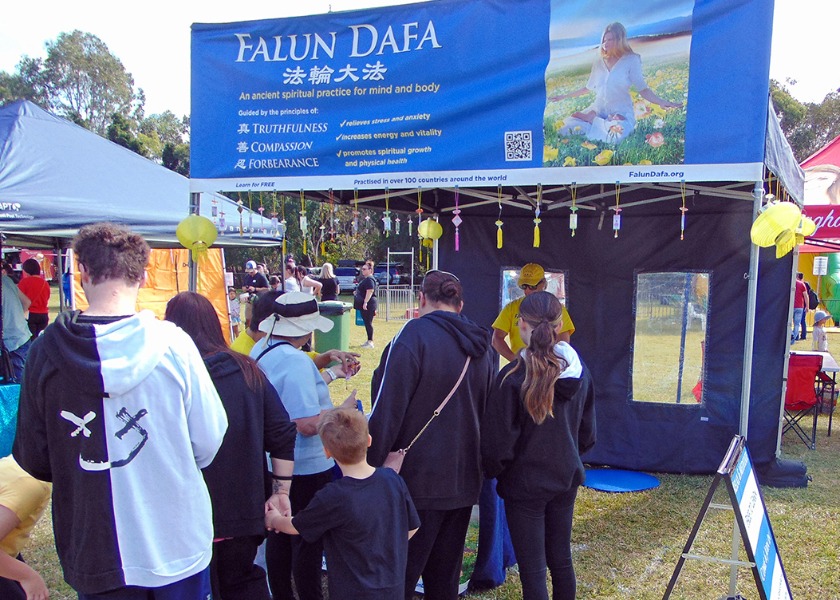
<point>802,396</point>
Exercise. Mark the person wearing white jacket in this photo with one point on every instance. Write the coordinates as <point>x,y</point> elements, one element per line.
<point>117,410</point>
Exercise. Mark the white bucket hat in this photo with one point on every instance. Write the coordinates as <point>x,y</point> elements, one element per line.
<point>295,314</point>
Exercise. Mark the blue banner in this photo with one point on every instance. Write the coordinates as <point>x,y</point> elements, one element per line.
<point>483,92</point>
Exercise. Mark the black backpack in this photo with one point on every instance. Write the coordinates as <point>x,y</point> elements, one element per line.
<point>813,299</point>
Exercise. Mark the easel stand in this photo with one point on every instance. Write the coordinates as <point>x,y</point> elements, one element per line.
<point>752,529</point>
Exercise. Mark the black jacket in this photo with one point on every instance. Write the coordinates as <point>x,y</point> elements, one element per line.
<point>442,469</point>
<point>257,423</point>
<point>534,461</point>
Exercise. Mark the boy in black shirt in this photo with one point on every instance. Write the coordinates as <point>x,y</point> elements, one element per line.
<point>366,549</point>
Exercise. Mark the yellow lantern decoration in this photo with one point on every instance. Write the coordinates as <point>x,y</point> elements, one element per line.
<point>776,224</point>
<point>197,234</point>
<point>429,230</point>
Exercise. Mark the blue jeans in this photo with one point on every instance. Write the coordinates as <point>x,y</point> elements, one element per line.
<point>18,359</point>
<point>541,532</point>
<point>196,587</point>
<point>797,323</point>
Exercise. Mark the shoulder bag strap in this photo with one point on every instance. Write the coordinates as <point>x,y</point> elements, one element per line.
<point>442,404</point>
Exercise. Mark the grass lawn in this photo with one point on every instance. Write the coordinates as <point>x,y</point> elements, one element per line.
<point>626,545</point>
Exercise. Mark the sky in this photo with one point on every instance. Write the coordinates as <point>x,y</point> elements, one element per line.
<point>153,41</point>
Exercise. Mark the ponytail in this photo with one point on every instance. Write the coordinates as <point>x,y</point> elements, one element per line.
<point>543,312</point>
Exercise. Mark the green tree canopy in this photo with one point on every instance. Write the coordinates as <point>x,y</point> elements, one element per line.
<point>85,81</point>
<point>807,126</point>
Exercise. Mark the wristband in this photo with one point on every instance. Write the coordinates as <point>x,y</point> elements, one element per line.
<point>281,477</point>
<point>332,375</point>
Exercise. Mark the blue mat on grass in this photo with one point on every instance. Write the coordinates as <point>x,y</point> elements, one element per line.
<point>618,480</point>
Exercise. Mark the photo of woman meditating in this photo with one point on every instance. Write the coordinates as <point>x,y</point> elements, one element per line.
<point>610,117</point>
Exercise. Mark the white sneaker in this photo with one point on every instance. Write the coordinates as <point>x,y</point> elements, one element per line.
<point>367,344</point>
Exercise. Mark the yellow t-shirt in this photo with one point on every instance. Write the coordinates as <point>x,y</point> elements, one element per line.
<point>25,496</point>
<point>508,321</point>
<point>243,344</point>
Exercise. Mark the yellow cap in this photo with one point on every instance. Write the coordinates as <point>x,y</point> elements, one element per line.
<point>531,274</point>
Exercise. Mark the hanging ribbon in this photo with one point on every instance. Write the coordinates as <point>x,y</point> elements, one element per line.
<point>683,210</point>
<point>281,228</point>
<point>250,217</point>
<point>386,216</point>
<point>617,215</point>
<point>274,221</point>
<point>573,222</point>
<point>302,220</point>
<point>355,211</point>
<point>261,210</point>
<point>240,208</point>
<point>537,219</point>
<point>332,216</point>
<point>419,212</point>
<point>499,222</point>
<point>397,225</point>
<point>456,220</point>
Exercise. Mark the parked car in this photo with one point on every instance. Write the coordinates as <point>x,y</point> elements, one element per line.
<point>396,272</point>
<point>347,277</point>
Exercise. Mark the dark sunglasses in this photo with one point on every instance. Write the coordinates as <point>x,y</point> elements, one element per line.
<point>525,286</point>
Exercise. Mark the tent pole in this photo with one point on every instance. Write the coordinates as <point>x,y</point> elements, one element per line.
<point>195,205</point>
<point>749,334</point>
<point>746,374</point>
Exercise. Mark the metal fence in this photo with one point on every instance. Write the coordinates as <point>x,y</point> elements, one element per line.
<point>400,301</point>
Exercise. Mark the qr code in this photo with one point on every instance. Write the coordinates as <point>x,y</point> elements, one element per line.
<point>518,145</point>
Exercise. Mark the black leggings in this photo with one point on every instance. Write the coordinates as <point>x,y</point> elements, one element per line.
<point>367,317</point>
<point>541,532</point>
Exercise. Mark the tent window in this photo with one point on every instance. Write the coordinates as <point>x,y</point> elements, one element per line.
<point>556,284</point>
<point>671,313</point>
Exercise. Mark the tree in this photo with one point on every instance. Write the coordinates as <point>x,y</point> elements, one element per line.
<point>26,84</point>
<point>159,131</point>
<point>121,131</point>
<point>176,157</point>
<point>85,82</point>
<point>807,126</point>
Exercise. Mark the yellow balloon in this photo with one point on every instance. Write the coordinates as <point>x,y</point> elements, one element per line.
<point>430,229</point>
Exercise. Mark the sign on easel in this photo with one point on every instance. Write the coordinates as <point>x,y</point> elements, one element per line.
<point>764,560</point>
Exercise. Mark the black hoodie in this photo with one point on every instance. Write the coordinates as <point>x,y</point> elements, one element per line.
<point>257,423</point>
<point>443,468</point>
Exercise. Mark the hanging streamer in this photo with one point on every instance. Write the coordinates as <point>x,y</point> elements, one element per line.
<point>456,220</point>
<point>281,228</point>
<point>332,216</point>
<point>499,222</point>
<point>250,217</point>
<point>240,208</point>
<point>261,209</point>
<point>355,211</point>
<point>573,222</point>
<point>397,225</point>
<point>683,210</point>
<point>419,212</point>
<point>386,216</point>
<point>617,215</point>
<point>274,222</point>
<point>537,219</point>
<point>302,220</point>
